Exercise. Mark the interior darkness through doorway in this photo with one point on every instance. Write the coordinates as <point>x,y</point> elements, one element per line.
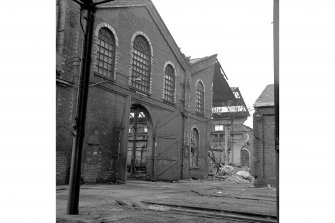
<point>137,144</point>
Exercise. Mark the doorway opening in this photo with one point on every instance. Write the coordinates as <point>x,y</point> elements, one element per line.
<point>139,144</point>
<point>245,158</point>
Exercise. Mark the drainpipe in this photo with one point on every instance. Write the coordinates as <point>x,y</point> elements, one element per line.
<point>263,150</point>
<point>232,139</point>
<point>153,150</point>
<point>226,144</point>
<point>183,116</point>
<point>133,159</point>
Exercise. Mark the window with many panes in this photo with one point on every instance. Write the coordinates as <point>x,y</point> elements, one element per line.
<point>200,98</point>
<point>169,84</point>
<point>106,53</point>
<point>141,64</point>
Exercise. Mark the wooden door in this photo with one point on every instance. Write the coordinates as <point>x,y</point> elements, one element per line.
<point>168,148</point>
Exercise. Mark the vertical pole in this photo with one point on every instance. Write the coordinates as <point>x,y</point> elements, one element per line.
<point>232,139</point>
<point>79,128</point>
<point>153,154</point>
<point>133,159</point>
<point>226,144</point>
<point>122,161</point>
<point>276,91</point>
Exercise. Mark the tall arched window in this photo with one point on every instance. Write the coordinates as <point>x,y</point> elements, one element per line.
<point>106,53</point>
<point>200,98</point>
<point>169,84</point>
<point>141,64</point>
<point>194,148</point>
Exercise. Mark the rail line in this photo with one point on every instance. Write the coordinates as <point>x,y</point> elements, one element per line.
<point>234,216</point>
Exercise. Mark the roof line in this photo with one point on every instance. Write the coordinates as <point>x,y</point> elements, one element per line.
<point>224,74</point>
<point>144,3</point>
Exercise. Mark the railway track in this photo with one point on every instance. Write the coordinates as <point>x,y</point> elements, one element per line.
<point>232,216</point>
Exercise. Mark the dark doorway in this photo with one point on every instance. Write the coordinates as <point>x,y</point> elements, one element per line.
<point>244,158</point>
<point>138,143</point>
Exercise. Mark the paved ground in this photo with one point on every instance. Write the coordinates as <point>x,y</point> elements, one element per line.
<point>144,201</point>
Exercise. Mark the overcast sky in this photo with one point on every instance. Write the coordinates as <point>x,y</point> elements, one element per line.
<point>239,31</point>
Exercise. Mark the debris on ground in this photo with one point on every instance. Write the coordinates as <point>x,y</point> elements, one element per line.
<point>244,174</point>
<point>233,174</point>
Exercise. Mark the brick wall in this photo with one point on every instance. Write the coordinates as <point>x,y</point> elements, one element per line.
<point>199,121</point>
<point>264,147</point>
<point>105,103</point>
<point>68,52</point>
<point>127,22</point>
<point>106,100</point>
<point>62,168</point>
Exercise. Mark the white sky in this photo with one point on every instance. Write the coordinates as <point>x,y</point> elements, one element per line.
<point>239,31</point>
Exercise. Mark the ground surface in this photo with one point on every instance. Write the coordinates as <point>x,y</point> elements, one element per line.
<point>144,201</point>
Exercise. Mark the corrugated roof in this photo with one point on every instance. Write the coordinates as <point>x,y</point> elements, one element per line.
<point>266,98</point>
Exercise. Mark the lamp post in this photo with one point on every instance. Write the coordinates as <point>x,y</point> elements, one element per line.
<point>276,91</point>
<point>81,107</point>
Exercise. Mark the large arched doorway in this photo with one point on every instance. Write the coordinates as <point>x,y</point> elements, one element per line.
<point>139,150</point>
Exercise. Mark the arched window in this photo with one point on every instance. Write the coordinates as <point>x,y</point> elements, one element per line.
<point>106,52</point>
<point>141,64</point>
<point>200,98</point>
<point>169,84</point>
<point>194,148</point>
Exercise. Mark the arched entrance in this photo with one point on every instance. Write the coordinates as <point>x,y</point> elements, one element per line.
<point>195,141</point>
<point>245,158</point>
<point>139,143</point>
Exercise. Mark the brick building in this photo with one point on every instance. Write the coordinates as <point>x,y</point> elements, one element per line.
<point>134,56</point>
<point>231,140</point>
<point>264,140</point>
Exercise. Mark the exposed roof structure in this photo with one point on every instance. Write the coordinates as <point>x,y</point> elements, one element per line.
<point>235,108</point>
<point>221,88</point>
<point>266,98</point>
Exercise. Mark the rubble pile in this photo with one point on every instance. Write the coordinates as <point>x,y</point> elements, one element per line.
<point>233,174</point>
